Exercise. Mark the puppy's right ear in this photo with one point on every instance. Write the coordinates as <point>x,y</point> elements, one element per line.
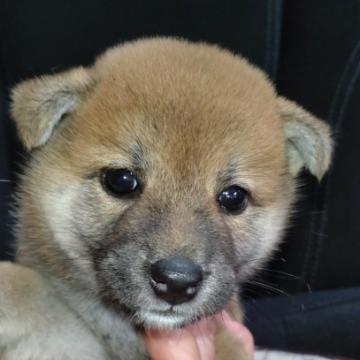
<point>39,104</point>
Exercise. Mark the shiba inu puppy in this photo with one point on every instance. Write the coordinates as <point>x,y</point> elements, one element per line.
<point>160,179</point>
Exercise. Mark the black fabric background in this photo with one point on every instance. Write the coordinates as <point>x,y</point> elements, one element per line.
<point>317,323</point>
<point>309,48</point>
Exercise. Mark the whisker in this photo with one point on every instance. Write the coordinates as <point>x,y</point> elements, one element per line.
<point>279,272</point>
<point>267,287</point>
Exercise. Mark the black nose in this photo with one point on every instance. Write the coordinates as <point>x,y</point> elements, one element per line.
<point>176,280</point>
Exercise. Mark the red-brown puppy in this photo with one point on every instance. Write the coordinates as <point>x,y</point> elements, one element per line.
<point>161,178</point>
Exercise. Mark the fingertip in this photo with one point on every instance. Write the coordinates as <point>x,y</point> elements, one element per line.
<point>170,344</point>
<point>239,330</point>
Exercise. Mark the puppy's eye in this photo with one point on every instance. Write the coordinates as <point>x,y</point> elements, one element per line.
<point>233,199</point>
<point>119,182</point>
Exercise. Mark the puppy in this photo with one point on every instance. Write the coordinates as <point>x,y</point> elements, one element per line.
<point>160,179</point>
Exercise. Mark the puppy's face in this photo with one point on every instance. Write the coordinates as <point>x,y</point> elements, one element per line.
<point>168,179</point>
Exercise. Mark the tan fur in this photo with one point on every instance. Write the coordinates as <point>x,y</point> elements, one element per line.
<point>196,110</point>
<point>30,312</point>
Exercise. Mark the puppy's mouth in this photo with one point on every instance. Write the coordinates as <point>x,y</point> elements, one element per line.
<point>151,318</point>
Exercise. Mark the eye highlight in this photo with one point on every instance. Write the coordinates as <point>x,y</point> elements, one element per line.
<point>233,199</point>
<point>119,182</point>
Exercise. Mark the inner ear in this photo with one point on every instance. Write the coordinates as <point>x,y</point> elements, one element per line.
<point>39,104</point>
<point>309,139</point>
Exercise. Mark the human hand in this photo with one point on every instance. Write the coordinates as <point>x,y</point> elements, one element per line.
<point>196,342</point>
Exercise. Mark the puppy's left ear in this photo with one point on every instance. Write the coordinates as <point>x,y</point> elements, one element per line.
<point>309,139</point>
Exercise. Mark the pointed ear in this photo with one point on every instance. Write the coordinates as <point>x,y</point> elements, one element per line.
<point>309,139</point>
<point>39,104</point>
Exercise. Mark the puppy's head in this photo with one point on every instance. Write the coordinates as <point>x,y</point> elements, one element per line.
<point>161,176</point>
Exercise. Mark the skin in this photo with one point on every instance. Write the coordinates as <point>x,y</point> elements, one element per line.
<point>196,342</point>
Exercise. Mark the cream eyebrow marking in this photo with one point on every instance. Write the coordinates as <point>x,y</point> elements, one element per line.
<point>137,155</point>
<point>227,175</point>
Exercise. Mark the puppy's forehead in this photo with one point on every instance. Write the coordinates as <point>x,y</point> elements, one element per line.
<point>189,103</point>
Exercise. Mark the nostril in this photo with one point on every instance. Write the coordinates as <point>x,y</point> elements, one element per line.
<point>191,290</point>
<point>160,286</point>
<point>176,279</point>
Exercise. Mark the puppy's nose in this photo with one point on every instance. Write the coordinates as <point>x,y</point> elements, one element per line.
<point>176,279</point>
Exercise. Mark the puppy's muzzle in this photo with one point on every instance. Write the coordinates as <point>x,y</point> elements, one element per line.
<point>176,280</point>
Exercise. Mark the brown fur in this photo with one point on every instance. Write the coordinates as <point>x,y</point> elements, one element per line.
<point>190,119</point>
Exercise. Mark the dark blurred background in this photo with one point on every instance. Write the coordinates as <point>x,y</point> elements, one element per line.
<point>311,50</point>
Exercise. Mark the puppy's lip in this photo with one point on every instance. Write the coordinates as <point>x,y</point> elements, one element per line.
<point>164,320</point>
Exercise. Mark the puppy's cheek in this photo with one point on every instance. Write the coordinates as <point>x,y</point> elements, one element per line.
<point>258,239</point>
<point>220,287</point>
<point>79,222</point>
<point>58,207</point>
<point>56,204</point>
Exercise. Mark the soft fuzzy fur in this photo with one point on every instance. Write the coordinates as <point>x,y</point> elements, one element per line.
<point>190,120</point>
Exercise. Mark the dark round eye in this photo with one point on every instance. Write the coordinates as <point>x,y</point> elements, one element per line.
<point>233,199</point>
<point>120,182</point>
